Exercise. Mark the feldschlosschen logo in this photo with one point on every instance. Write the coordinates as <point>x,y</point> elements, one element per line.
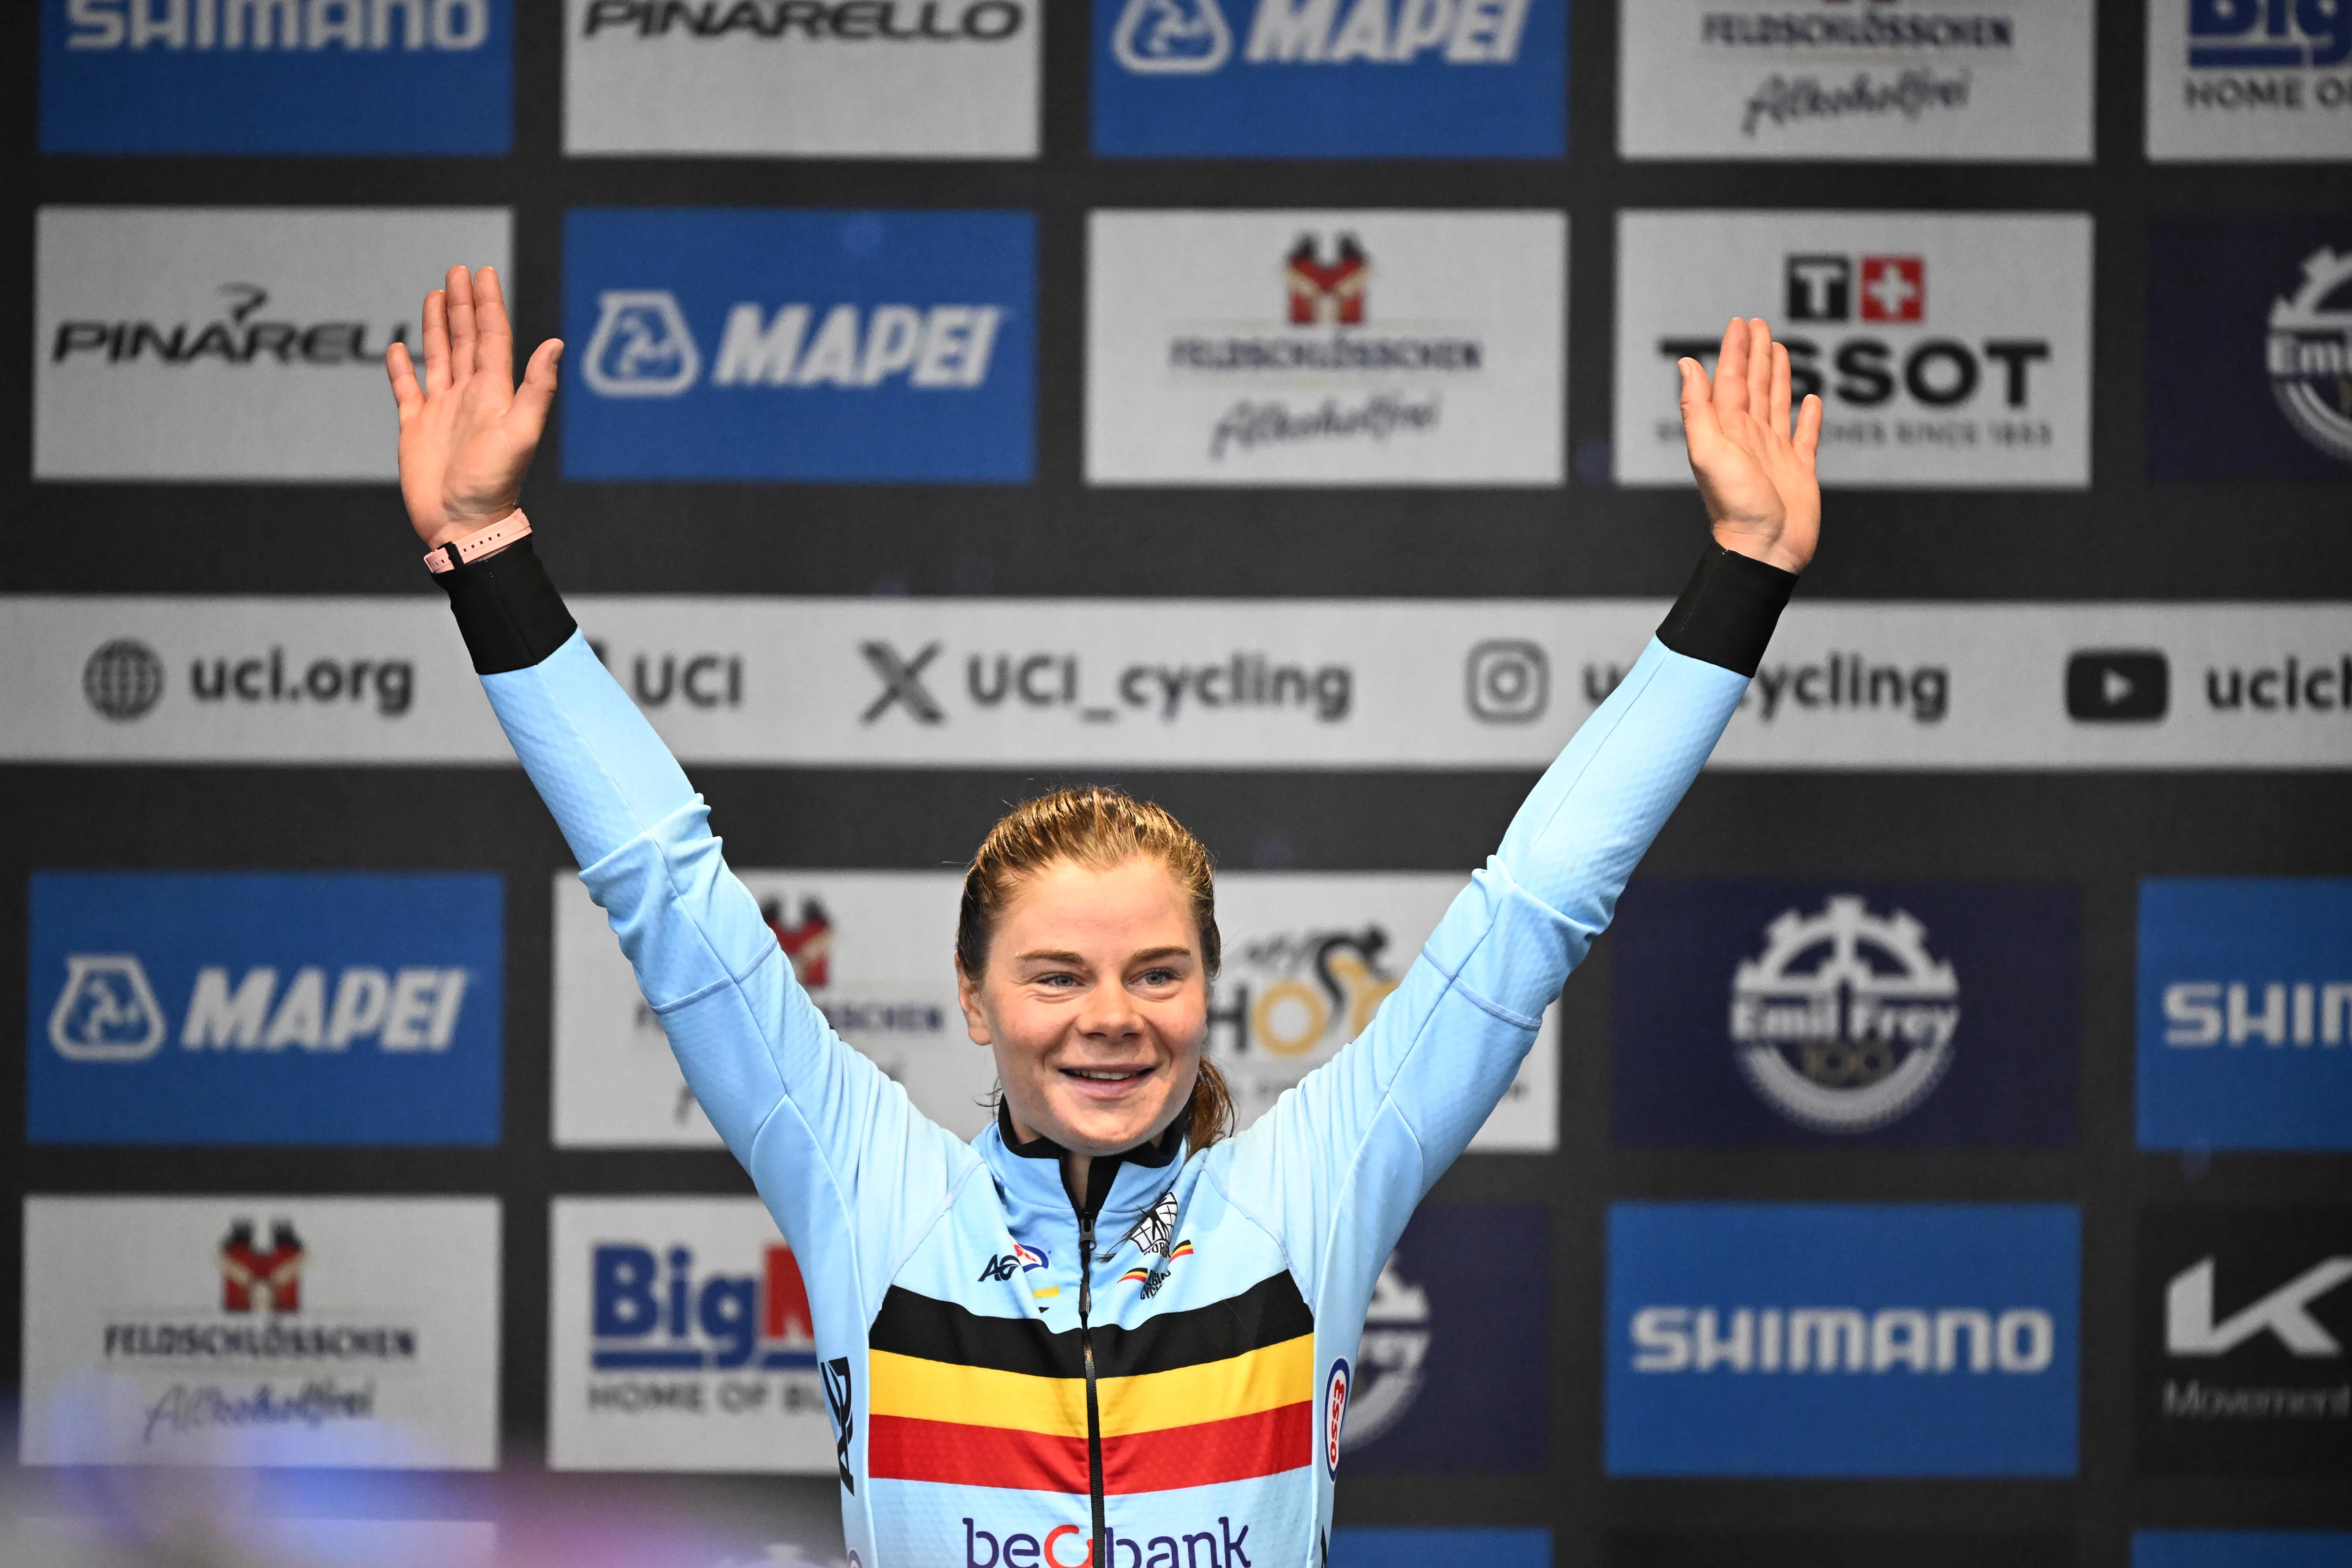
<point>2309,354</point>
<point>642,347</point>
<point>1173,37</point>
<point>1845,1021</point>
<point>107,1011</point>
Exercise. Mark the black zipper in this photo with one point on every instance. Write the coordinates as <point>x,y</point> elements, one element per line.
<point>1095,1553</point>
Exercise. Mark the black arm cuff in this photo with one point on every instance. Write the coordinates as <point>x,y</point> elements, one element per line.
<point>1727,611</point>
<point>508,608</point>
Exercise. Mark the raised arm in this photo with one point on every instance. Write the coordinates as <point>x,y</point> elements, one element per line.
<point>849,1169</point>
<point>1354,1146</point>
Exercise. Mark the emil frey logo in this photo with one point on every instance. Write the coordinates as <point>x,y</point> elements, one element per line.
<point>254,1276</point>
<point>653,1312</point>
<point>2309,350</point>
<point>1845,1021</point>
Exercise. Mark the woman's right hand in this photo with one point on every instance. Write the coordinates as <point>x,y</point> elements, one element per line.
<point>467,434</point>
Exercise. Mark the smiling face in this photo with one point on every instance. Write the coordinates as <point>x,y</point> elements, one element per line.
<point>1094,999</point>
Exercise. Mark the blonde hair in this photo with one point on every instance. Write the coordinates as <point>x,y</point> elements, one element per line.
<point>1098,827</point>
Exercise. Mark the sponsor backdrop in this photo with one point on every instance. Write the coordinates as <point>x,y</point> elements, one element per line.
<point>1268,406</point>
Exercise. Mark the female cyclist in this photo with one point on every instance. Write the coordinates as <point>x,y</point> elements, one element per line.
<point>1104,1332</point>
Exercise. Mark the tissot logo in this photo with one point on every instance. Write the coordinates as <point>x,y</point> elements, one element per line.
<point>2118,685</point>
<point>215,1008</point>
<point>2244,1316</point>
<point>800,345</point>
<point>1826,1340</point>
<point>1823,287</point>
<point>1328,77</point>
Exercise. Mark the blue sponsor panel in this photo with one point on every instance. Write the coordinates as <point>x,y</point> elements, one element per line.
<point>2249,348</point>
<point>756,345</point>
<point>1842,1339</point>
<point>2245,1013</point>
<point>2242,1549</point>
<point>1453,1372</point>
<point>1365,1547</point>
<point>1331,78</point>
<point>318,76</point>
<point>264,1009</point>
<point>1844,1013</point>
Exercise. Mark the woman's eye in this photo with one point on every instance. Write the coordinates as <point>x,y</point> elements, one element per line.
<point>1159,977</point>
<point>1057,978</point>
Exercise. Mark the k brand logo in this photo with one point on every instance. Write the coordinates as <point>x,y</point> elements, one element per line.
<point>1179,37</point>
<point>107,1011</point>
<point>2190,1329</point>
<point>642,348</point>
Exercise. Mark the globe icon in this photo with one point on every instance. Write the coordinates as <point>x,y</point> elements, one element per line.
<point>123,678</point>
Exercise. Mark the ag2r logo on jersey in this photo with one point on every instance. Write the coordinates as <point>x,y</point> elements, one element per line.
<point>1794,1014</point>
<point>277,77</point>
<point>744,344</point>
<point>198,1007</point>
<point>1331,78</point>
<point>1842,1339</point>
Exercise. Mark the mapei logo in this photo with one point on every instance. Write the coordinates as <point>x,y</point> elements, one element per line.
<point>2242,34</point>
<point>1190,37</point>
<point>2308,353</point>
<point>254,1276</point>
<point>643,346</point>
<point>106,1010</point>
<point>653,1312</point>
<point>1823,287</point>
<point>1845,1021</point>
<point>1330,293</point>
<point>2284,1313</point>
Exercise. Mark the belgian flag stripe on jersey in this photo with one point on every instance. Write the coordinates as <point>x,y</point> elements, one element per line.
<point>1149,1402</point>
<point>899,1448</point>
<point>1267,1313</point>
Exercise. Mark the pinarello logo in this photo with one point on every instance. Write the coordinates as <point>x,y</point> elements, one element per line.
<point>1335,1415</point>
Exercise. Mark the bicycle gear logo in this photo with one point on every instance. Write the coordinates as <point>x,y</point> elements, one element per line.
<point>1391,1358</point>
<point>1173,37</point>
<point>1845,1023</point>
<point>642,347</point>
<point>107,1011</point>
<point>2309,352</point>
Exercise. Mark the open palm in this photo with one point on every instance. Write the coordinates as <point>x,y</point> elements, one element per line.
<point>1754,473</point>
<point>467,434</point>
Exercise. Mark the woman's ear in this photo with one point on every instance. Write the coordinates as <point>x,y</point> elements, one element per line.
<point>975,1019</point>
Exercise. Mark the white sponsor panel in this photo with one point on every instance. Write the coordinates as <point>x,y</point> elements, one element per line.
<point>234,343</point>
<point>832,78</point>
<point>1326,348</point>
<point>1911,79</point>
<point>2260,81</point>
<point>229,1526</point>
<point>681,1340</point>
<point>1207,683</point>
<point>1950,349</point>
<point>1307,957</point>
<point>276,1330</point>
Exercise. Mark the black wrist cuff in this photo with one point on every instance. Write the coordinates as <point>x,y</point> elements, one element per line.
<point>1727,611</point>
<point>508,608</point>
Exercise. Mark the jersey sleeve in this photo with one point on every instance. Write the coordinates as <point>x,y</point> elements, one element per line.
<point>1340,1161</point>
<point>851,1170</point>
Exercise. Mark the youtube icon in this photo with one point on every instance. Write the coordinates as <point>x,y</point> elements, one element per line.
<point>2117,685</point>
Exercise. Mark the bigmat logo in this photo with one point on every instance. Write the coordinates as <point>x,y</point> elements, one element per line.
<point>1308,958</point>
<point>2251,81</point>
<point>2242,1549</point>
<point>261,1330</point>
<point>277,77</point>
<point>749,344</point>
<point>681,1340</point>
<point>1829,80</point>
<point>839,78</point>
<point>2245,1013</point>
<point>1331,78</point>
<point>1450,1373</point>
<point>1950,350</point>
<point>291,1008</point>
<point>2243,1317</point>
<point>239,344</point>
<point>2258,315</point>
<point>1812,1013</point>
<point>1324,348</point>
<point>1842,1339</point>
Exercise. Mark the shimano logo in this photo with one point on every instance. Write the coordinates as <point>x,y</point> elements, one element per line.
<point>307,27</point>
<point>2020,1341</point>
<point>2200,1012</point>
<point>644,347</point>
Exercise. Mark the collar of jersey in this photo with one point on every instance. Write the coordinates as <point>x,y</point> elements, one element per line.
<point>1030,1176</point>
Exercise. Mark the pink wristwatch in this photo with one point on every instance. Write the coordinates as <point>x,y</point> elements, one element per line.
<point>486,539</point>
